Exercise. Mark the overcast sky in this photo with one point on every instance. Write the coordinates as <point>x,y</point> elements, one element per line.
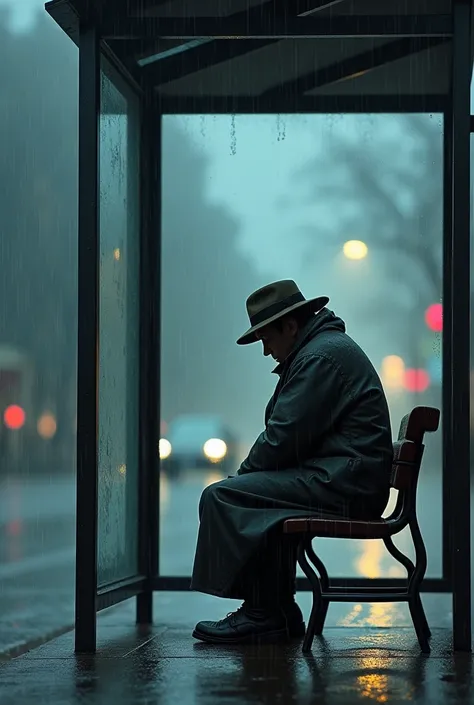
<point>252,166</point>
<point>253,161</point>
<point>22,13</point>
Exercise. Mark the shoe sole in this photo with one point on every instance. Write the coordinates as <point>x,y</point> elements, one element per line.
<point>264,637</point>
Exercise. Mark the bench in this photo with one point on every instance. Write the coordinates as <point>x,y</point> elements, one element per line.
<point>407,456</point>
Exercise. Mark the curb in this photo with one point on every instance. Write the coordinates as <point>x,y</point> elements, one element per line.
<point>20,648</point>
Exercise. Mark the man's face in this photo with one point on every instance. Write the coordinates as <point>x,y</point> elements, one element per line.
<point>278,342</point>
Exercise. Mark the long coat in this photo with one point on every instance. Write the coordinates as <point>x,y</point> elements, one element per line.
<point>326,451</point>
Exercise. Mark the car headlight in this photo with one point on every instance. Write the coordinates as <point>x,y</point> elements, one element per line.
<point>164,447</point>
<point>215,449</point>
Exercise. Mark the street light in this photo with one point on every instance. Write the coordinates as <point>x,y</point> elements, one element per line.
<point>393,372</point>
<point>355,249</point>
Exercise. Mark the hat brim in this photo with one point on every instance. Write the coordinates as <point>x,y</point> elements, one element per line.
<point>313,305</point>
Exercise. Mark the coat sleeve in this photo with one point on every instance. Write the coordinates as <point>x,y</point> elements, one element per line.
<point>308,404</point>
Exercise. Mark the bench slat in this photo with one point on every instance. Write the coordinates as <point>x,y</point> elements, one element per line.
<point>338,528</point>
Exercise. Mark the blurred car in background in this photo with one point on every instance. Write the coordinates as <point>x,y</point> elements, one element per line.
<point>195,441</point>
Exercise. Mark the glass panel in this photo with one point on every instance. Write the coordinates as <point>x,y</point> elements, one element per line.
<point>118,334</point>
<point>251,199</point>
<point>472,351</point>
<point>472,359</point>
<point>38,334</point>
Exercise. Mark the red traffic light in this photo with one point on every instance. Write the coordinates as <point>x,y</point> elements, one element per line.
<point>434,317</point>
<point>417,380</point>
<point>14,417</point>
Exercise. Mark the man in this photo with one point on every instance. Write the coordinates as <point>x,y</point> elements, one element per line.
<point>326,450</point>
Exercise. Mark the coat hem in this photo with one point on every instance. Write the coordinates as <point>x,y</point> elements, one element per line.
<point>210,591</point>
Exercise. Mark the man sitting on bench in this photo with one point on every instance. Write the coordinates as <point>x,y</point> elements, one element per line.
<point>326,451</point>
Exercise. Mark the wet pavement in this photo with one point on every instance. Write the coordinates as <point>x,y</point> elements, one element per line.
<point>37,551</point>
<point>37,554</point>
<point>369,651</point>
<point>164,664</point>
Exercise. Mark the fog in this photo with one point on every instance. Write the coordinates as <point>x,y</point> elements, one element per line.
<point>246,200</point>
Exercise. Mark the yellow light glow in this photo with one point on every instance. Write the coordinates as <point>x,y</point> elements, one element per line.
<point>117,254</point>
<point>355,249</point>
<point>215,449</point>
<point>393,372</point>
<point>164,448</point>
<point>369,565</point>
<point>373,686</point>
<point>122,469</point>
<point>47,425</point>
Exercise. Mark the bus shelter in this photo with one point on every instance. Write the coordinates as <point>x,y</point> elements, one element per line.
<point>140,60</point>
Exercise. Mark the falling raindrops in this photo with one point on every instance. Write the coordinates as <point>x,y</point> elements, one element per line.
<point>281,128</point>
<point>202,125</point>
<point>233,136</point>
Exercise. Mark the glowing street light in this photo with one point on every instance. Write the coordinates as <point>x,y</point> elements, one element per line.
<point>393,372</point>
<point>46,425</point>
<point>355,249</point>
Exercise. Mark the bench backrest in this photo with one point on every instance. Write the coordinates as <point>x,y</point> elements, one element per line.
<point>408,449</point>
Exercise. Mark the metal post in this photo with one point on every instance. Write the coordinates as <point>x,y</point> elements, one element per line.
<point>150,309</point>
<point>460,329</point>
<point>88,343</point>
<point>447,506</point>
<point>134,112</point>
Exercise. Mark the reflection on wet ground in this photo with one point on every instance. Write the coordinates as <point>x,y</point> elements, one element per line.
<point>163,664</point>
<point>37,552</point>
<point>369,652</point>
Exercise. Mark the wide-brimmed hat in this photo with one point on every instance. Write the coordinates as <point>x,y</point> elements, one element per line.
<point>274,301</point>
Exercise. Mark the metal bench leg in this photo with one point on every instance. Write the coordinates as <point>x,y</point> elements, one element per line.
<point>420,624</point>
<point>316,589</point>
<point>324,583</point>
<point>318,564</point>
<point>399,556</point>
<point>422,616</point>
<point>414,600</point>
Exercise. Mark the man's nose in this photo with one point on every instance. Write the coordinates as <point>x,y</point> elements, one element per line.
<point>266,351</point>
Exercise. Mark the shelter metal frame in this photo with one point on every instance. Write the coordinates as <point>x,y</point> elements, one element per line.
<point>132,45</point>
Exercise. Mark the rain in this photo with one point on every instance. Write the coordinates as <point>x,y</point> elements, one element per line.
<point>348,205</point>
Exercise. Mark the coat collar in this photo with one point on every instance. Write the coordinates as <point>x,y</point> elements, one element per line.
<point>304,334</point>
<point>311,329</point>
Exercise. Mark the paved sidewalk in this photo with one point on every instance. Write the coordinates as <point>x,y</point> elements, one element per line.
<point>164,664</point>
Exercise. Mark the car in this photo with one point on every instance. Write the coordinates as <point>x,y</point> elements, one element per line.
<point>198,441</point>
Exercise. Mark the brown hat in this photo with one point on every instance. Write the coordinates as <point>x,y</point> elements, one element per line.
<point>274,301</point>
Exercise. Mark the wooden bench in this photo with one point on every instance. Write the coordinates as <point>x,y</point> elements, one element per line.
<point>407,456</point>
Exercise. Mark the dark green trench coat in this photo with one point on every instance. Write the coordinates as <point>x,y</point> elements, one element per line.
<point>326,450</point>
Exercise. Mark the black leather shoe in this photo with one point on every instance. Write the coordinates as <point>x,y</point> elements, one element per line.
<point>250,624</point>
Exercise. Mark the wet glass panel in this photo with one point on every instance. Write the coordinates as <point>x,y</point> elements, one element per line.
<point>38,330</point>
<point>347,205</point>
<point>118,333</point>
<point>472,353</point>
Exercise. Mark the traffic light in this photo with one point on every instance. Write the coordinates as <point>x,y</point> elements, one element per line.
<point>434,317</point>
<point>417,380</point>
<point>14,417</point>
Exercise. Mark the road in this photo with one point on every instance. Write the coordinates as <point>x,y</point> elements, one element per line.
<point>37,548</point>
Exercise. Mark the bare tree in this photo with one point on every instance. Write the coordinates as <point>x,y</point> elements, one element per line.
<point>380,180</point>
<point>385,187</point>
